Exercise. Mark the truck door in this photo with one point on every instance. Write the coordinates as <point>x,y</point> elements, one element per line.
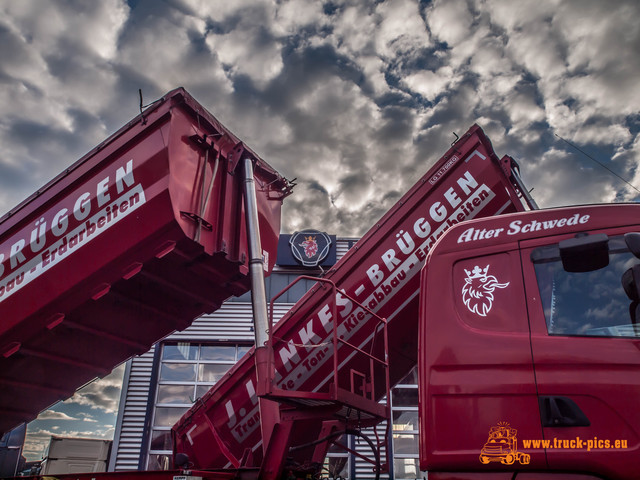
<point>477,395</point>
<point>585,338</point>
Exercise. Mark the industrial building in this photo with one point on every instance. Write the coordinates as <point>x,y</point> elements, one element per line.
<point>162,384</point>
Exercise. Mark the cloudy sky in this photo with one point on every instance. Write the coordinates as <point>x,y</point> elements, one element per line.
<point>354,98</point>
<point>90,413</point>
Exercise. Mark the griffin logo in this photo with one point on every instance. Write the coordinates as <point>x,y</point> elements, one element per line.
<point>477,291</point>
<point>310,247</point>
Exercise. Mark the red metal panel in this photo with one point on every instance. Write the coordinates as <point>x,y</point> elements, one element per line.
<point>109,257</point>
<point>381,271</point>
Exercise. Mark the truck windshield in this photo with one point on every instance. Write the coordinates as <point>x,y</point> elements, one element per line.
<point>590,303</point>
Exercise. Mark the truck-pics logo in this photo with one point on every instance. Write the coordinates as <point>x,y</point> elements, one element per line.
<point>477,291</point>
<point>502,446</point>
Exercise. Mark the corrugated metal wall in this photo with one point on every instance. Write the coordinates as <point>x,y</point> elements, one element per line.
<point>129,435</point>
<point>364,470</point>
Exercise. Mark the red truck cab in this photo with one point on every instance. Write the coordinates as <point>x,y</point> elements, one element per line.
<point>530,321</point>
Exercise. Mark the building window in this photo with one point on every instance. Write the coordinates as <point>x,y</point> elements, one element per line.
<point>187,371</point>
<point>404,414</point>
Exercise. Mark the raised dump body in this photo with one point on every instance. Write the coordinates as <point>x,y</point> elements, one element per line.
<point>381,272</point>
<point>135,240</point>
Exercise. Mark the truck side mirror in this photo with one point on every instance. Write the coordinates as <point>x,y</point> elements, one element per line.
<point>585,253</point>
<point>632,239</point>
<point>631,286</point>
<point>631,278</point>
<point>631,282</point>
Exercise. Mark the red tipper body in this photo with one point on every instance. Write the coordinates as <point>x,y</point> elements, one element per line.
<point>381,272</point>
<point>517,350</point>
<point>132,242</point>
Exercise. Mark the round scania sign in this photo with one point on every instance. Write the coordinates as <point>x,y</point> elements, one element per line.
<point>310,247</point>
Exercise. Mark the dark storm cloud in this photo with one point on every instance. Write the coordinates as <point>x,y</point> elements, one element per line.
<point>306,67</point>
<point>396,125</point>
<point>46,155</point>
<point>313,185</point>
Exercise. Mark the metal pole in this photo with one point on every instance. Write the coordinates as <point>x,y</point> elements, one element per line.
<point>269,410</point>
<point>256,264</point>
<point>520,184</point>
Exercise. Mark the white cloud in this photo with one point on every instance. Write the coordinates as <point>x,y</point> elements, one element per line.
<point>94,26</point>
<point>102,394</point>
<point>523,109</point>
<point>491,62</point>
<point>430,84</point>
<point>225,11</point>
<point>248,52</point>
<point>450,21</point>
<point>167,61</point>
<point>53,415</point>
<point>36,442</point>
<point>401,29</point>
<point>584,56</point>
<point>351,30</point>
<point>90,413</point>
<point>67,48</point>
<point>292,15</point>
<point>514,16</point>
<point>87,418</point>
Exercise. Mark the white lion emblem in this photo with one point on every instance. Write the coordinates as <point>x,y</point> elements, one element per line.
<point>477,291</point>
